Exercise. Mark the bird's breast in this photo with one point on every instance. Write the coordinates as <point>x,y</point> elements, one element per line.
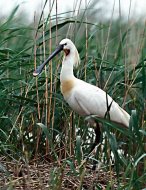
<point>66,87</point>
<point>69,89</point>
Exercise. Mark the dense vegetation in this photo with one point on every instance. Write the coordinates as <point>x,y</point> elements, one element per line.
<point>37,124</point>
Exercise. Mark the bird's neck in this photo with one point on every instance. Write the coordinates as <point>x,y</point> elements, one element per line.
<point>67,69</point>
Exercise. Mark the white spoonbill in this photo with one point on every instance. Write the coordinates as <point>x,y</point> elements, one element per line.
<point>82,97</point>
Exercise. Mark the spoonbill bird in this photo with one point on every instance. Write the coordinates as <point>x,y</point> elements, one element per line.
<point>82,97</point>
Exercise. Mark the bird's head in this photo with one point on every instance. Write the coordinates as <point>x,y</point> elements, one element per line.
<point>69,49</point>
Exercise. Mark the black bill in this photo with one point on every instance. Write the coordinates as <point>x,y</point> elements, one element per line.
<point>41,67</point>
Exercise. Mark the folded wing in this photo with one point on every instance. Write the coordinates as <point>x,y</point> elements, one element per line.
<point>92,100</point>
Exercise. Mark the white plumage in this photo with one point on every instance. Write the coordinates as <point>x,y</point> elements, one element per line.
<point>82,97</point>
<point>87,99</point>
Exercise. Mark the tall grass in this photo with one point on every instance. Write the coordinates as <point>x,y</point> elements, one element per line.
<point>36,122</point>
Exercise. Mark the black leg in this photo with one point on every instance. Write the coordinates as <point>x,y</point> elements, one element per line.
<point>97,137</point>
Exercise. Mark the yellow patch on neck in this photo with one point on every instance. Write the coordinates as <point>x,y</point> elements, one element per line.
<point>66,86</point>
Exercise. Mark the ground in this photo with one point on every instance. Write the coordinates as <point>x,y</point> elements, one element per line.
<point>47,176</point>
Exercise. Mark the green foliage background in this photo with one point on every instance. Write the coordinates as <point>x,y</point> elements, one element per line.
<point>35,121</point>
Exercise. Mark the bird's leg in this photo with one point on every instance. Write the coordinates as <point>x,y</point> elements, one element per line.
<point>97,137</point>
<point>96,142</point>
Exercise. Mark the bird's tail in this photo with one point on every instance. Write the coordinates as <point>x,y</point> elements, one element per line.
<point>125,118</point>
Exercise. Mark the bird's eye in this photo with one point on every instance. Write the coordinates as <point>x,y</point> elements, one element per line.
<point>65,44</point>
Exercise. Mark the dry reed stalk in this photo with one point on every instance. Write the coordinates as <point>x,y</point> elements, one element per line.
<point>107,41</point>
<point>125,60</point>
<point>37,90</point>
<point>56,71</point>
<point>86,36</point>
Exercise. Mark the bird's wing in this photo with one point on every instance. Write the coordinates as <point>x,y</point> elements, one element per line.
<point>94,101</point>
